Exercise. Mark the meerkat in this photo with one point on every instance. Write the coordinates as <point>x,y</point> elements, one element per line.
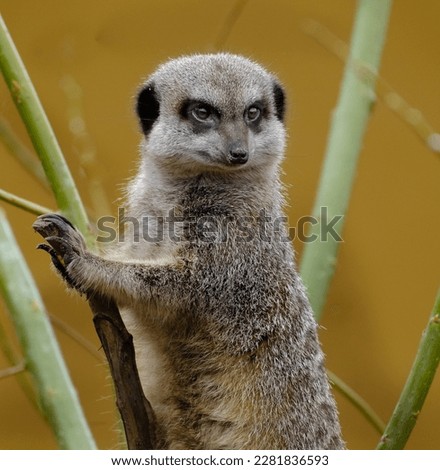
<point>225,339</point>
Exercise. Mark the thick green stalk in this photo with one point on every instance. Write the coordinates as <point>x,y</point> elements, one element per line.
<point>417,386</point>
<point>343,147</point>
<point>43,357</point>
<point>40,132</point>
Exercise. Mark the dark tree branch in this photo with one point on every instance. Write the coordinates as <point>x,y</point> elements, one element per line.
<point>136,412</point>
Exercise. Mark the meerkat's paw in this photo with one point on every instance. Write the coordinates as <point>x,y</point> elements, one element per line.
<point>65,243</point>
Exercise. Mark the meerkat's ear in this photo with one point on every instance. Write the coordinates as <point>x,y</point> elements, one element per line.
<point>147,107</point>
<point>280,100</point>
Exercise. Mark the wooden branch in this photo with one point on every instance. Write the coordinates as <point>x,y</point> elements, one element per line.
<point>136,412</point>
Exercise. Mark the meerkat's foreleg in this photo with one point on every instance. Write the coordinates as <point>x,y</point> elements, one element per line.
<point>122,281</point>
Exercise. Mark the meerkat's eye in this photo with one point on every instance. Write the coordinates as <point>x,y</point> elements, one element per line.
<point>201,113</point>
<point>252,114</point>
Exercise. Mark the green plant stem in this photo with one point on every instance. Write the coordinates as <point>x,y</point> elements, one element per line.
<point>417,385</point>
<point>357,401</point>
<point>77,337</point>
<point>82,141</point>
<point>23,155</point>
<point>388,95</point>
<point>44,361</point>
<point>24,204</point>
<point>229,23</point>
<point>344,144</point>
<point>13,370</point>
<point>41,133</point>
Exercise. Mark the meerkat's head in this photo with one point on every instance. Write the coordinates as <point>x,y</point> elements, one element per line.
<point>215,112</point>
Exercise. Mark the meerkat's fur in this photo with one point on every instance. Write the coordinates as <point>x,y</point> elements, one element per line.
<point>225,338</point>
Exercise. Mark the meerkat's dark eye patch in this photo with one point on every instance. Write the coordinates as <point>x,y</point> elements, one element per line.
<point>147,108</point>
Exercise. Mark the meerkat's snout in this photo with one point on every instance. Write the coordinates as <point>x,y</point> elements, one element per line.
<point>238,155</point>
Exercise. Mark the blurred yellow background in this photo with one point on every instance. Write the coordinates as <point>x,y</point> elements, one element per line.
<point>387,274</point>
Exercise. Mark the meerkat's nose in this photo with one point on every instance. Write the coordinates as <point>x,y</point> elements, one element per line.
<point>238,156</point>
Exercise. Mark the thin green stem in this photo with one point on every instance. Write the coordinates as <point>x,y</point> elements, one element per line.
<point>22,154</point>
<point>345,140</point>
<point>6,347</point>
<point>388,95</point>
<point>229,23</point>
<point>24,204</point>
<point>416,388</point>
<point>357,401</point>
<point>84,146</point>
<point>43,357</point>
<point>41,133</point>
<point>77,337</point>
<point>23,379</point>
<point>11,371</point>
